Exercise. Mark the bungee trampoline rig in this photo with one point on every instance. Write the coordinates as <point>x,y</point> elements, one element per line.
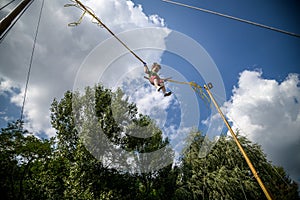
<point>196,87</point>
<point>204,92</point>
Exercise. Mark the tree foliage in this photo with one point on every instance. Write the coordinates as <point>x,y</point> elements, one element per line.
<point>224,173</point>
<point>78,164</point>
<point>21,153</point>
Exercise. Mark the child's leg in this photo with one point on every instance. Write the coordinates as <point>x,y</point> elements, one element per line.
<point>160,85</point>
<point>157,84</point>
<point>163,87</point>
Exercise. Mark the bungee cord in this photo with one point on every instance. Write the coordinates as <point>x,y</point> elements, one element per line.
<point>86,10</point>
<point>197,88</point>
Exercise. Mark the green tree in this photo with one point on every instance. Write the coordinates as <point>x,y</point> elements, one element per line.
<point>224,174</point>
<point>95,134</point>
<point>99,153</point>
<point>21,153</point>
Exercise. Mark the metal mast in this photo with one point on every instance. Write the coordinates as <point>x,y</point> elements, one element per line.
<point>254,172</point>
<point>7,21</point>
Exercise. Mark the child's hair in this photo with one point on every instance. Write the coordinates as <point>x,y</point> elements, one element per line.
<point>156,64</point>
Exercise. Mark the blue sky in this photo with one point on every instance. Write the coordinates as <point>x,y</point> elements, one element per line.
<point>235,46</point>
<point>259,68</point>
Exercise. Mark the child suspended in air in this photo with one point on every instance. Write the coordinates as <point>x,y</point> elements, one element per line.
<point>155,79</point>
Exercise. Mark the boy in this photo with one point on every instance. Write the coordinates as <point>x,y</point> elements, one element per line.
<point>155,79</point>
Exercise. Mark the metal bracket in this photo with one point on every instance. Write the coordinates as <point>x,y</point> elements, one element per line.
<point>78,22</point>
<point>210,85</point>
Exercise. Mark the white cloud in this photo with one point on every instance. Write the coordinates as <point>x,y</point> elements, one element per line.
<point>268,113</point>
<point>120,14</point>
<point>157,20</point>
<point>150,101</point>
<point>7,85</point>
<point>60,50</point>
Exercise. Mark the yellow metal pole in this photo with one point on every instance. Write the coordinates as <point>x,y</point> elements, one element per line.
<point>239,145</point>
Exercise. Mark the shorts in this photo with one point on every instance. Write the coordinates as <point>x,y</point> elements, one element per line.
<point>152,78</point>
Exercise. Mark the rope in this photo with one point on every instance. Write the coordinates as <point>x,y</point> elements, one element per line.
<point>179,82</point>
<point>235,18</point>
<point>15,21</point>
<point>197,88</point>
<point>6,4</point>
<point>31,59</point>
<point>88,11</point>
